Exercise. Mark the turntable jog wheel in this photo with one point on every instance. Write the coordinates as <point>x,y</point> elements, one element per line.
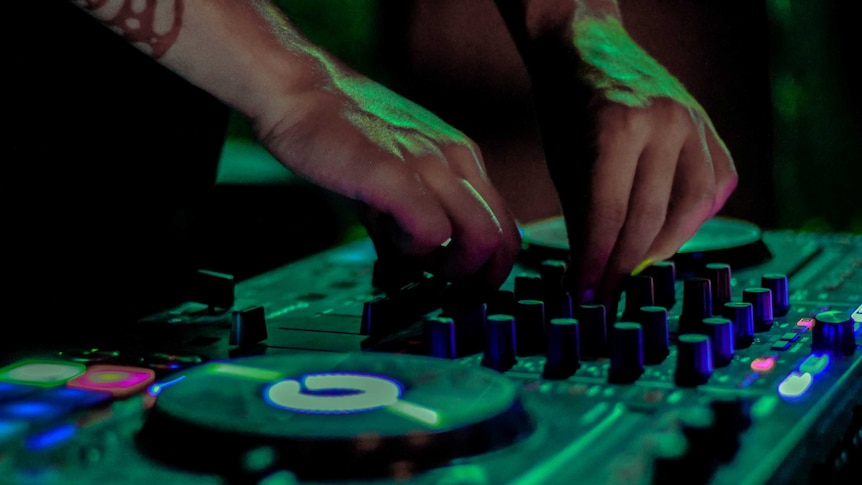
<point>328,416</point>
<point>720,239</point>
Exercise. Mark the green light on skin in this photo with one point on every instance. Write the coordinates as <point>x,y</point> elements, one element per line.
<point>625,73</point>
<point>243,372</point>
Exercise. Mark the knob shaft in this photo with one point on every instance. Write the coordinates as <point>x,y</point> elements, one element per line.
<point>742,316</point>
<point>696,304</point>
<point>639,293</point>
<point>530,324</point>
<point>563,348</point>
<point>777,284</point>
<point>663,274</point>
<point>694,360</point>
<point>439,333</point>
<point>653,319</point>
<point>500,343</point>
<point>593,327</point>
<point>720,333</point>
<point>761,302</point>
<point>719,275</point>
<point>627,360</point>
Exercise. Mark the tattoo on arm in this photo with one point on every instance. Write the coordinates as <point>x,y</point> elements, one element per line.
<point>151,25</point>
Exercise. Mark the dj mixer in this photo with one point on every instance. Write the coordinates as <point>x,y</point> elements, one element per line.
<point>735,362</point>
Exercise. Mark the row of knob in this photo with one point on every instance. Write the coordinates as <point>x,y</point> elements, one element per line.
<point>538,318</point>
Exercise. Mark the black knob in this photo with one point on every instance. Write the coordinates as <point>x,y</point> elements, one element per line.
<point>377,317</point>
<point>248,326</point>
<point>528,287</point>
<point>563,357</point>
<point>742,315</point>
<point>501,302</point>
<point>697,424</point>
<point>639,293</point>
<point>719,277</point>
<point>761,302</point>
<point>500,343</point>
<point>551,273</point>
<point>663,274</point>
<point>627,359</point>
<point>720,333</point>
<point>669,452</point>
<point>833,333</point>
<point>653,320</point>
<point>696,304</point>
<point>439,336</point>
<point>732,417</point>
<point>469,326</point>
<point>594,334</point>
<point>693,360</point>
<point>530,323</point>
<point>777,284</point>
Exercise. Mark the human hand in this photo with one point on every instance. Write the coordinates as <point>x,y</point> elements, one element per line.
<point>420,184</point>
<point>636,160</point>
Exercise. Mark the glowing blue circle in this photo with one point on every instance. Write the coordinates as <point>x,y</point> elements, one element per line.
<point>333,393</point>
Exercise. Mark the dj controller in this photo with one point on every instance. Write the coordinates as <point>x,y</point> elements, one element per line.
<point>735,362</point>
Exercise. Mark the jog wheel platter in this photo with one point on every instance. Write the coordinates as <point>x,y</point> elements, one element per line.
<point>732,241</point>
<point>333,415</point>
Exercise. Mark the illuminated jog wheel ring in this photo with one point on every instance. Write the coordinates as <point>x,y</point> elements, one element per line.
<point>364,414</point>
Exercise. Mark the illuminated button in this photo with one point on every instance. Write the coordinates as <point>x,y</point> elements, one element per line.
<point>815,364</point>
<point>763,364</point>
<point>120,381</point>
<point>10,392</point>
<point>805,323</point>
<point>45,373</point>
<point>333,393</point>
<point>31,411</point>
<point>72,399</point>
<point>50,438</point>
<point>795,385</point>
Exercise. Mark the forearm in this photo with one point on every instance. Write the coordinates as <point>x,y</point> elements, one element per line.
<point>244,52</point>
<point>533,20</point>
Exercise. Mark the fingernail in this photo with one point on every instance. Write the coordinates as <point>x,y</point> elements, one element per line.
<point>644,265</point>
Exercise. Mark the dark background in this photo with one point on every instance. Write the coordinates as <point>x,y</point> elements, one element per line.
<point>120,179</point>
<point>774,75</point>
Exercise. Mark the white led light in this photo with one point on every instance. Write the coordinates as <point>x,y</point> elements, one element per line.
<point>349,393</point>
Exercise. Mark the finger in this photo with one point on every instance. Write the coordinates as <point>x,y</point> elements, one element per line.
<point>500,263</point>
<point>650,196</point>
<point>476,230</point>
<point>726,177</point>
<point>692,198</point>
<point>387,185</point>
<point>612,179</point>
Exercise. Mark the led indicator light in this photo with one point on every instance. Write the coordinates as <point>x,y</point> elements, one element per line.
<point>815,364</point>
<point>244,372</point>
<point>45,373</point>
<point>806,323</point>
<point>50,438</point>
<point>795,385</point>
<point>120,381</point>
<point>763,364</point>
<point>330,393</point>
